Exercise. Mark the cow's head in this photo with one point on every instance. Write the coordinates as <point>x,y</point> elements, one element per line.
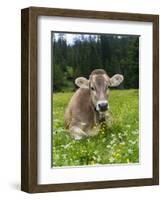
<point>98,84</point>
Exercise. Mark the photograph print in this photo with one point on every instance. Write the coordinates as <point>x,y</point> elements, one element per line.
<point>95,99</point>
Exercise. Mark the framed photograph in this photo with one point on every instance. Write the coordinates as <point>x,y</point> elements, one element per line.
<point>90,99</point>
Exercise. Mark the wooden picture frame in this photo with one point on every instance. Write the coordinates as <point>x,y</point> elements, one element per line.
<point>29,97</point>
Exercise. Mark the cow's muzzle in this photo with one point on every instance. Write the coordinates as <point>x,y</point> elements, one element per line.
<point>102,106</point>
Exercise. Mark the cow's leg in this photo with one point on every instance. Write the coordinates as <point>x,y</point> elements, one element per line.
<point>94,131</point>
<point>77,133</point>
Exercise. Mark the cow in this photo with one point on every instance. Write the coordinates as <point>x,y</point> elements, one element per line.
<point>89,106</point>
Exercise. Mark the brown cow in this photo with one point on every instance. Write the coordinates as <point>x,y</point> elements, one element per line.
<point>88,106</point>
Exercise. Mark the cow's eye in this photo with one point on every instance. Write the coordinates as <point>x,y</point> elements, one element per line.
<point>92,88</point>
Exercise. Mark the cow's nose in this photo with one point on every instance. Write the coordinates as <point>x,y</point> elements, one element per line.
<point>103,106</point>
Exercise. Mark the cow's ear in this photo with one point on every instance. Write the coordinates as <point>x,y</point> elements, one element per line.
<point>82,82</point>
<point>116,80</point>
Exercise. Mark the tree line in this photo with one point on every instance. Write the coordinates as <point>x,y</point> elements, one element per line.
<point>113,53</point>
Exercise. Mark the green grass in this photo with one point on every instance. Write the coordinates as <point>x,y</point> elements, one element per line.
<point>116,144</point>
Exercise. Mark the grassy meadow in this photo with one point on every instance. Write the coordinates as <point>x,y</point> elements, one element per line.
<point>116,144</point>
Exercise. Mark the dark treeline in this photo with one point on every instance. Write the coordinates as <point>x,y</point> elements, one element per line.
<point>115,54</point>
